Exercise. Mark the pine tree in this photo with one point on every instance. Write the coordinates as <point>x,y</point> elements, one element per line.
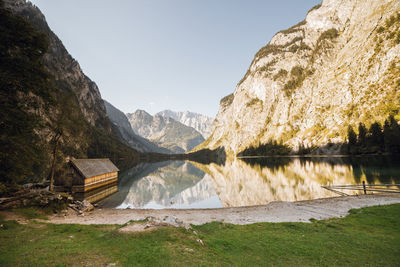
<point>391,133</point>
<point>351,140</point>
<point>362,135</point>
<point>375,136</point>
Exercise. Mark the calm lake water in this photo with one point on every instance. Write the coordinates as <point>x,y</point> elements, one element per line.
<point>179,184</point>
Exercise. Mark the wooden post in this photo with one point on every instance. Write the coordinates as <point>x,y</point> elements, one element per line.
<point>365,189</point>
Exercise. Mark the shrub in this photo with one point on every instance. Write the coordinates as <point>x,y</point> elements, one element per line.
<point>254,101</point>
<point>294,28</point>
<point>298,75</point>
<point>293,48</point>
<point>391,35</point>
<point>380,29</point>
<point>282,73</point>
<point>227,100</point>
<point>267,67</point>
<point>329,34</point>
<point>314,8</point>
<point>326,35</point>
<point>297,71</point>
<point>269,49</point>
<point>303,46</point>
<point>390,21</point>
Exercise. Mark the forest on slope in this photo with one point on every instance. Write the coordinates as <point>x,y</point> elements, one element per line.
<point>43,117</point>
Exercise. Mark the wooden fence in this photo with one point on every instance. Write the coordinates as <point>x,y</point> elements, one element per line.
<point>382,188</point>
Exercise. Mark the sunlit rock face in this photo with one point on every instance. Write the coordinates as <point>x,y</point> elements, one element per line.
<point>240,184</point>
<point>338,67</point>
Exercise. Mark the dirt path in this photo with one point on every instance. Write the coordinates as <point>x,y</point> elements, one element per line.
<point>300,211</point>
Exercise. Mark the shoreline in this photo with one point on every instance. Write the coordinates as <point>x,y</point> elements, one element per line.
<point>316,156</point>
<point>279,211</point>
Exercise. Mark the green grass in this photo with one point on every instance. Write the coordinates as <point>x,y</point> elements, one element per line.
<point>367,237</point>
<point>32,213</point>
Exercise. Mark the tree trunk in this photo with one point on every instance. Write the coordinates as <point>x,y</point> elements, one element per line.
<point>56,138</point>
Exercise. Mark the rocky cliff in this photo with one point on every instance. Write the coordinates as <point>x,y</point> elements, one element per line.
<point>119,119</point>
<point>63,67</point>
<point>338,67</point>
<point>164,131</point>
<point>199,122</point>
<point>49,106</point>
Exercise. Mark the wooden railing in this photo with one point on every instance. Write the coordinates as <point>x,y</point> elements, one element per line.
<point>382,188</point>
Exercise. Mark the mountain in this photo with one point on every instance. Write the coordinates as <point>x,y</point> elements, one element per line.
<point>199,122</point>
<point>337,68</point>
<point>49,106</point>
<point>164,131</point>
<point>119,119</point>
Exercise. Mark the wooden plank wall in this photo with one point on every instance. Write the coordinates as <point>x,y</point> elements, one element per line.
<point>96,181</point>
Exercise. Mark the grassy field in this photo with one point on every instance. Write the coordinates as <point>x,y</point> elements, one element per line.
<point>367,237</point>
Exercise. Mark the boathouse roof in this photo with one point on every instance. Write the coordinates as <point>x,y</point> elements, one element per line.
<point>93,167</point>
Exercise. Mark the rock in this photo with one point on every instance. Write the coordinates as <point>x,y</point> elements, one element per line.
<point>87,206</point>
<point>200,242</point>
<point>172,220</point>
<point>81,206</point>
<point>189,250</point>
<point>187,226</point>
<point>311,81</point>
<point>168,220</point>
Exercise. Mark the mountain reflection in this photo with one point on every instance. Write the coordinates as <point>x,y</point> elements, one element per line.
<point>174,184</point>
<point>247,182</point>
<point>260,181</point>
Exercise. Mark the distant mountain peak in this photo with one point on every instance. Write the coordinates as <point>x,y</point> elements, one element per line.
<point>165,131</point>
<point>120,120</point>
<point>201,123</point>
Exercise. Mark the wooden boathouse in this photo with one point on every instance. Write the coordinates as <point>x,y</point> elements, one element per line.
<point>84,175</point>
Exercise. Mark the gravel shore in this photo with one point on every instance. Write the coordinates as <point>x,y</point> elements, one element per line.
<point>301,211</point>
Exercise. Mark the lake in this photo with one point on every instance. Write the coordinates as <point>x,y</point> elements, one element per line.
<point>247,182</point>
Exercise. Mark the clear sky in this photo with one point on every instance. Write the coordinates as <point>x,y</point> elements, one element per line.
<point>168,54</point>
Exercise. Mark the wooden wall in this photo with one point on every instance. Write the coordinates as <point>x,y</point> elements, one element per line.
<point>95,182</point>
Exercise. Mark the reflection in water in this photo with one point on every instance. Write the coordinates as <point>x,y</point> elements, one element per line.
<point>239,183</point>
<point>97,194</point>
<point>174,184</point>
<point>261,181</point>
